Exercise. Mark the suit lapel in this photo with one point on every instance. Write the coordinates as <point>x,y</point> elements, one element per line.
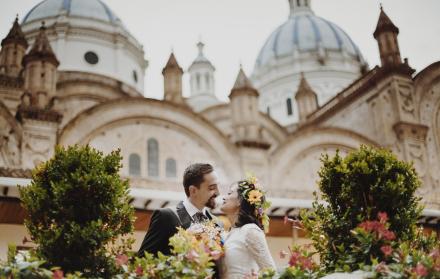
<point>184,217</point>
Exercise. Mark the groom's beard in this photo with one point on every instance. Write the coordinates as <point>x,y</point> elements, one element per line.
<point>211,202</point>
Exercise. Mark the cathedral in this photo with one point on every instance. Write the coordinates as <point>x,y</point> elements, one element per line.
<point>71,73</point>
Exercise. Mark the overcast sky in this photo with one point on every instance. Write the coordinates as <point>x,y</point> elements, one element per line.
<point>235,30</point>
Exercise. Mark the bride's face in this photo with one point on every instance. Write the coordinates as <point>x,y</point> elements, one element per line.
<point>231,203</point>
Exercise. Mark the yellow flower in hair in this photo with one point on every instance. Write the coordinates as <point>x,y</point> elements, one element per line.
<point>251,179</point>
<point>254,196</point>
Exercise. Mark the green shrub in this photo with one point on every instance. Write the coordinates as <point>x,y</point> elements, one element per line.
<point>78,207</point>
<point>357,188</point>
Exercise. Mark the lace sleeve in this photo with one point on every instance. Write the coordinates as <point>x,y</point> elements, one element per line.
<point>257,246</point>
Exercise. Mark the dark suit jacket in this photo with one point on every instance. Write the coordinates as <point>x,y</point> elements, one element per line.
<point>163,225</point>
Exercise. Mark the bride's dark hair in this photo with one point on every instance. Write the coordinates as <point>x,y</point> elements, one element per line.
<point>247,212</point>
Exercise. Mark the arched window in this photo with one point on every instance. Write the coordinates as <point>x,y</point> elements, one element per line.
<point>198,81</point>
<point>207,81</point>
<point>268,111</point>
<point>289,106</point>
<point>171,168</point>
<point>153,157</point>
<point>298,3</point>
<point>134,164</point>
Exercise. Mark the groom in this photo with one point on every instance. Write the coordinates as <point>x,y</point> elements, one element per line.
<point>200,182</point>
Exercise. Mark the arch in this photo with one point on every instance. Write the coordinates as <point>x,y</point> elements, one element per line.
<point>153,157</point>
<point>81,129</point>
<point>134,164</point>
<point>423,83</point>
<point>170,168</point>
<point>427,99</point>
<point>103,87</point>
<point>309,139</point>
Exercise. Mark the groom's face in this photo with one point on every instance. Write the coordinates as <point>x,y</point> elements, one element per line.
<point>208,190</point>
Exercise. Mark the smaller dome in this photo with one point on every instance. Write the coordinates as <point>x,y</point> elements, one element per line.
<point>93,9</point>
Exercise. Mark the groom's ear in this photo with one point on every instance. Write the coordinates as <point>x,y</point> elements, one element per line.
<point>192,189</point>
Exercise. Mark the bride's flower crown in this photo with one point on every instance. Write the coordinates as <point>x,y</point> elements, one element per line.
<point>252,192</point>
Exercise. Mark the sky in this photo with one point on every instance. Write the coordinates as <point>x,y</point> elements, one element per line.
<point>235,30</point>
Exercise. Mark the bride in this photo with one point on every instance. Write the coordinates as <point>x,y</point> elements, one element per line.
<point>246,250</point>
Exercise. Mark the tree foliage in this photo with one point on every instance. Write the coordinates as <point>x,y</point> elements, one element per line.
<point>357,188</point>
<point>78,207</point>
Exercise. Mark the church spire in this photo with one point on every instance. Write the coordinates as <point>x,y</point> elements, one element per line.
<point>306,99</point>
<point>245,113</point>
<point>201,71</point>
<point>41,49</point>
<point>200,46</point>
<point>386,35</point>
<point>172,65</point>
<point>172,78</point>
<point>384,24</point>
<point>15,35</point>
<point>40,71</point>
<point>242,82</point>
<point>14,47</point>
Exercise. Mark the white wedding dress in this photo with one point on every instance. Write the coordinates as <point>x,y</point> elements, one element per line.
<point>246,251</point>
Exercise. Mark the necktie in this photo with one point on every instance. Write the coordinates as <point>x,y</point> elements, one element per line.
<point>199,217</point>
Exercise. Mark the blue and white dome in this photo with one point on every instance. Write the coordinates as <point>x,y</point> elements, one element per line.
<point>306,32</point>
<point>307,45</point>
<point>92,9</point>
<point>87,36</point>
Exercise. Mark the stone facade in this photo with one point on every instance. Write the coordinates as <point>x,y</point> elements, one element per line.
<point>42,106</point>
<point>44,103</point>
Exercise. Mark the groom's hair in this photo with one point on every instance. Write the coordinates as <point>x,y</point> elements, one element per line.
<point>193,175</point>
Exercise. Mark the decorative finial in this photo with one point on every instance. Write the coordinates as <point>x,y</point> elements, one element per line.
<point>381,6</point>
<point>200,45</point>
<point>16,18</point>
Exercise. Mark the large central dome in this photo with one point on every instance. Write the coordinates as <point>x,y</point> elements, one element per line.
<point>306,32</point>
<point>304,44</point>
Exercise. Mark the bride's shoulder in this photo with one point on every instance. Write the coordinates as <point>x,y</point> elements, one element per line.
<point>252,227</point>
